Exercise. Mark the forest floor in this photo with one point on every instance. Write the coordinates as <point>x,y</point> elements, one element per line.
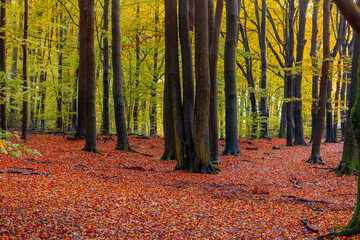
<point>262,194</point>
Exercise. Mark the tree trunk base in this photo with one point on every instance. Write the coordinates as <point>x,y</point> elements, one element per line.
<point>90,149</point>
<point>166,156</point>
<point>232,151</point>
<point>316,159</point>
<point>300,143</point>
<point>215,160</point>
<point>343,169</point>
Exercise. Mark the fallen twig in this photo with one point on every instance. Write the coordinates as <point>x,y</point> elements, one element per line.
<point>246,160</point>
<point>23,168</point>
<point>177,186</point>
<point>34,161</point>
<point>252,148</point>
<point>347,194</point>
<point>293,180</point>
<point>330,168</point>
<point>304,200</point>
<point>27,173</point>
<point>305,220</point>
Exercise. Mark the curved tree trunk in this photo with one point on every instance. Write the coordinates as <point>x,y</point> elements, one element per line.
<point>231,125</point>
<point>315,150</point>
<point>301,41</point>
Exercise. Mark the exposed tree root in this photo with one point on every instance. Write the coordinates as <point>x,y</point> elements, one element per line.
<point>166,155</point>
<point>252,148</point>
<point>27,173</point>
<point>316,159</point>
<point>306,223</point>
<point>344,233</point>
<point>295,183</point>
<point>128,148</point>
<point>34,161</point>
<point>304,200</point>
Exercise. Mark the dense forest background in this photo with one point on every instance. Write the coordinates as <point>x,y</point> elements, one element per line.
<point>53,60</point>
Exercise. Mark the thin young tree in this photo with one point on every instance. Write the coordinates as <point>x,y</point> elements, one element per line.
<point>231,124</point>
<point>315,150</point>
<point>25,115</point>
<point>119,106</point>
<point>90,145</point>
<point>106,66</point>
<point>3,108</point>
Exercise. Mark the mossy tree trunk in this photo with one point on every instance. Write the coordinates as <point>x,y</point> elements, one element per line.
<point>25,115</point>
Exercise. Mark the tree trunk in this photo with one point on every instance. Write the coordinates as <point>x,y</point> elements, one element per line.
<point>59,120</point>
<point>43,76</point>
<point>214,55</point>
<point>82,89</point>
<point>315,150</point>
<point>106,83</point>
<point>289,63</point>
<point>91,81</point>
<point>301,41</point>
<point>3,109</point>
<point>137,73</point>
<point>202,100</point>
<point>188,78</point>
<point>172,77</point>
<point>119,106</point>
<point>314,64</point>
<point>264,112</point>
<point>153,101</point>
<point>25,110</point>
<point>231,124</point>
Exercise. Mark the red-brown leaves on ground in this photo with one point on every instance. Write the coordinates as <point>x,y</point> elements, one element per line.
<point>262,194</point>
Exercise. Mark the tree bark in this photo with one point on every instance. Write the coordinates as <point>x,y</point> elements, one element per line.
<point>315,150</point>
<point>264,112</point>
<point>106,66</point>
<point>25,110</point>
<point>231,125</point>
<point>214,55</point>
<point>91,83</point>
<point>3,100</point>
<point>119,106</point>
<point>314,64</point>
<point>188,78</point>
<point>82,88</point>
<point>301,41</point>
<point>59,98</point>
<point>202,100</point>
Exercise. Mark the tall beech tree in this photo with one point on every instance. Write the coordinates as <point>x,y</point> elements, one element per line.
<point>106,66</point>
<point>188,77</point>
<point>202,161</point>
<point>25,114</point>
<point>261,27</point>
<point>301,41</point>
<point>3,101</point>
<point>90,145</point>
<point>119,106</point>
<point>314,64</point>
<point>81,126</point>
<point>231,124</point>
<point>214,55</point>
<point>315,150</point>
